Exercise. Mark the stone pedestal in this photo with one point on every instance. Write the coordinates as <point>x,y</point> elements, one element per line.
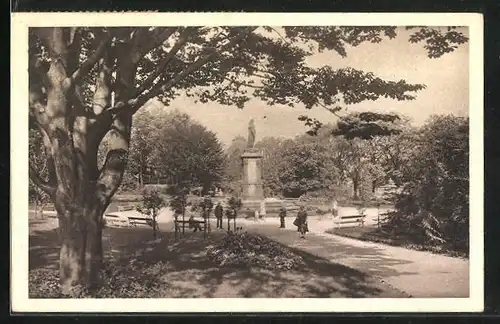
<point>252,191</point>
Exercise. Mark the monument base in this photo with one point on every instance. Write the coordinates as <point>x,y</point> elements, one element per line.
<point>252,187</point>
<point>251,204</point>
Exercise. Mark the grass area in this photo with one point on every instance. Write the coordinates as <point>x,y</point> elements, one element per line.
<point>378,235</point>
<point>138,267</point>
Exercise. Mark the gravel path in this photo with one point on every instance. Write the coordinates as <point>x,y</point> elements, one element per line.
<point>417,273</point>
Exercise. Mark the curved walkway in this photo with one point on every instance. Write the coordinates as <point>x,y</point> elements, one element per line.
<point>417,273</point>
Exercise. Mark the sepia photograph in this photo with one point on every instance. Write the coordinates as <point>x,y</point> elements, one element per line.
<point>246,162</point>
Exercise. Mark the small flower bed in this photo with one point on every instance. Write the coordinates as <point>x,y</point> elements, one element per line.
<point>244,250</point>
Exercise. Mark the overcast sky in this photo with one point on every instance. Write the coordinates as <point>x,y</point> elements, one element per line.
<point>447,80</point>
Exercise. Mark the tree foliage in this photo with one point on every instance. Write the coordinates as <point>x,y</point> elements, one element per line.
<point>152,202</point>
<point>367,125</point>
<point>272,151</point>
<point>434,202</point>
<point>172,146</point>
<point>234,166</point>
<point>38,155</point>
<point>187,151</point>
<point>305,168</point>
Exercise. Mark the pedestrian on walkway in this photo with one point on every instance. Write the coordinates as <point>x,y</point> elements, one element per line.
<point>218,214</point>
<point>335,207</point>
<point>301,222</point>
<point>262,212</point>
<point>282,216</point>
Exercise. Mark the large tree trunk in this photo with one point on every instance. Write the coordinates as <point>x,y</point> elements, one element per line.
<point>72,131</point>
<point>81,254</point>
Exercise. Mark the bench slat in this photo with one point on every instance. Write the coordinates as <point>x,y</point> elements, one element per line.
<point>186,221</point>
<point>348,222</point>
<point>350,217</point>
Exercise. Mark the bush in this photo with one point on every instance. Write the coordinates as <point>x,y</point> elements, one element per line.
<point>247,250</point>
<point>434,203</point>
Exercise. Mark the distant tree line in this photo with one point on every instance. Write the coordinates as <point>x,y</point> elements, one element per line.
<point>427,168</point>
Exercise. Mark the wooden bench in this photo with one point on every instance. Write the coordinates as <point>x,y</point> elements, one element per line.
<point>115,220</point>
<point>126,208</point>
<point>129,217</point>
<point>358,220</point>
<point>188,221</point>
<point>202,226</point>
<point>133,221</point>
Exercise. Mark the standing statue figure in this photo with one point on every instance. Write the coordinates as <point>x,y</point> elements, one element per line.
<point>251,134</point>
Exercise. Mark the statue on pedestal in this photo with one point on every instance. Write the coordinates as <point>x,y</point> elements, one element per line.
<point>251,134</point>
<point>252,189</point>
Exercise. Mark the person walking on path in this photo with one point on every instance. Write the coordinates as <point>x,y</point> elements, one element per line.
<point>218,215</point>
<point>335,208</point>
<point>262,212</point>
<point>282,216</point>
<point>301,222</point>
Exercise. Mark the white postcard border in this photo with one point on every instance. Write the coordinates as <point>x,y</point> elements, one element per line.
<point>20,302</point>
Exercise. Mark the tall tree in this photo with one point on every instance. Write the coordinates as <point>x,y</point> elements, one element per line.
<point>234,166</point>
<point>144,137</point>
<point>272,151</point>
<point>305,168</point>
<point>362,131</point>
<point>186,151</point>
<point>86,82</point>
<point>435,198</point>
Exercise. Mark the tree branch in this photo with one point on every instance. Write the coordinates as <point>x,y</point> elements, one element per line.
<point>145,43</point>
<point>165,61</point>
<point>133,104</point>
<point>42,184</point>
<point>244,84</point>
<point>111,173</point>
<point>136,104</point>
<point>330,110</point>
<point>91,60</point>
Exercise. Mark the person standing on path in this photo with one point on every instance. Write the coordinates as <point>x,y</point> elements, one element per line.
<point>262,212</point>
<point>218,214</point>
<point>335,208</point>
<point>301,222</point>
<point>282,216</point>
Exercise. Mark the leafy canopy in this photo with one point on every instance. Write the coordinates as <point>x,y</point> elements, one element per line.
<point>228,65</point>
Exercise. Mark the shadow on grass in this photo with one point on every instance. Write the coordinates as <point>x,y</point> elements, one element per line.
<point>369,259</point>
<point>183,270</point>
<point>405,240</point>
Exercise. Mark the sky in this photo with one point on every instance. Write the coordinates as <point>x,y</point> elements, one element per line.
<point>446,78</point>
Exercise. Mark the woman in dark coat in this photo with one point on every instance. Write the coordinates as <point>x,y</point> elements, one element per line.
<point>282,216</point>
<point>301,222</point>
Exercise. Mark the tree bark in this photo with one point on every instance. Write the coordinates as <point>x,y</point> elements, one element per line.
<point>154,225</point>
<point>355,187</point>
<point>81,254</point>
<point>141,179</point>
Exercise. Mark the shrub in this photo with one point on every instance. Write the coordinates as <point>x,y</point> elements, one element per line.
<point>248,250</point>
<point>433,205</point>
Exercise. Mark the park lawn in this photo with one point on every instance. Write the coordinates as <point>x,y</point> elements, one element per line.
<point>139,267</point>
<point>377,235</point>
